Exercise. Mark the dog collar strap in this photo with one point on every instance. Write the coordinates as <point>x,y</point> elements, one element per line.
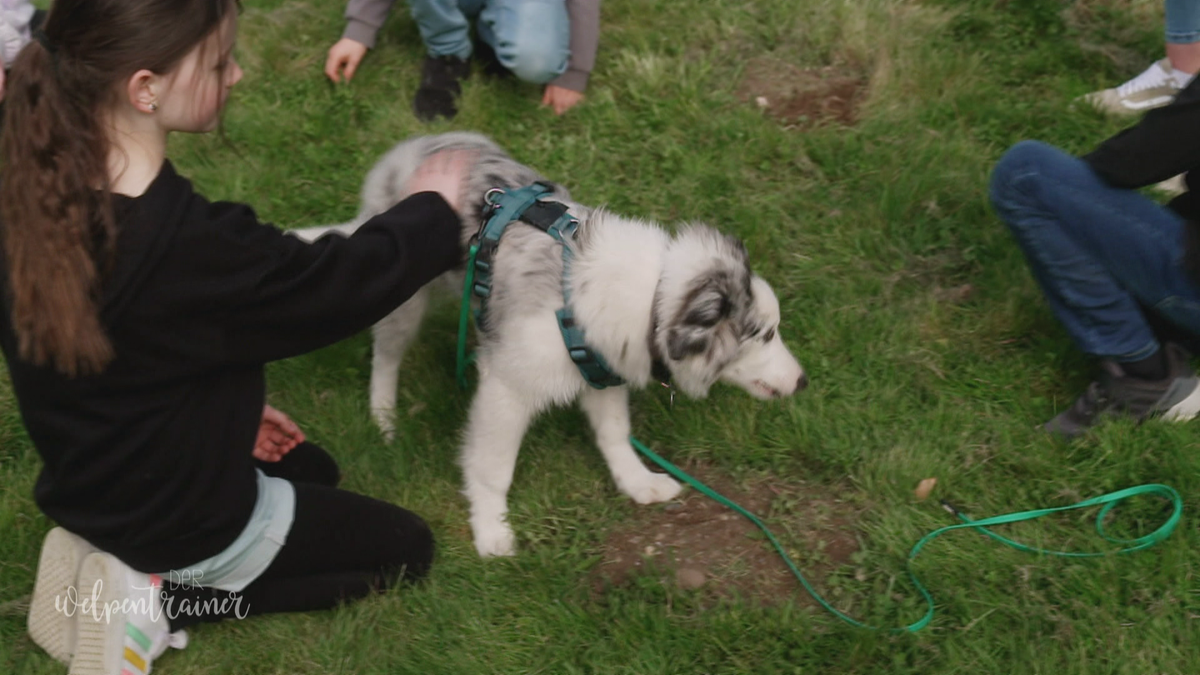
<point>660,372</point>
<point>552,218</point>
<point>658,367</point>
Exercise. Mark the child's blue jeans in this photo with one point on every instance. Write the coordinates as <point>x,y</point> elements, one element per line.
<point>530,37</point>
<point>1102,255</point>
<point>1182,21</point>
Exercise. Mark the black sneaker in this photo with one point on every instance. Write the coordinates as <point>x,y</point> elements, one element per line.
<point>441,78</point>
<point>1176,397</point>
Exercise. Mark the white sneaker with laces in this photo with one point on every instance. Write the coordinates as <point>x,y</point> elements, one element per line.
<point>51,623</point>
<point>124,629</point>
<point>1153,88</point>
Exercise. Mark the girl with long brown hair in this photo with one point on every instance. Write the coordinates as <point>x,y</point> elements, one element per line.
<point>136,320</point>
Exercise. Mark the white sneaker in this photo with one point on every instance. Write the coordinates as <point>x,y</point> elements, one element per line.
<point>124,629</point>
<point>1154,88</point>
<point>51,622</point>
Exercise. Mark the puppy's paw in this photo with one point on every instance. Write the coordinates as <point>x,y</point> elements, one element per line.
<point>651,488</point>
<point>385,421</point>
<point>495,540</point>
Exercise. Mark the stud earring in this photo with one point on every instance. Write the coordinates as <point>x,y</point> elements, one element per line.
<point>153,107</point>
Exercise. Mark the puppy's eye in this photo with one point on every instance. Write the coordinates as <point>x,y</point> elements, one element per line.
<point>769,336</point>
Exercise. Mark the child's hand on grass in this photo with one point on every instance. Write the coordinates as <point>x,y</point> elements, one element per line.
<point>561,99</point>
<point>344,55</point>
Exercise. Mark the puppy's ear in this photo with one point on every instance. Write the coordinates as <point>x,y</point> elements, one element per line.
<point>707,305</point>
<point>685,341</point>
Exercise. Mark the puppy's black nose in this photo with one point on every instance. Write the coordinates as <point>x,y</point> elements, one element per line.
<point>802,383</point>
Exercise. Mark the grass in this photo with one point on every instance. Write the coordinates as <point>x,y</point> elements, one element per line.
<point>861,229</point>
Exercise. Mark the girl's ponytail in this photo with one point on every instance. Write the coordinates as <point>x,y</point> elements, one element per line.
<point>57,220</point>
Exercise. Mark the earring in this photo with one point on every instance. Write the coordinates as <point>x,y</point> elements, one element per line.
<point>153,107</point>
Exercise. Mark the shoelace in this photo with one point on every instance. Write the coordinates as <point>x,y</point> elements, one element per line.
<point>1154,76</point>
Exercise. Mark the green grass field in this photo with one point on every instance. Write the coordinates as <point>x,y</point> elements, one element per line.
<point>930,351</point>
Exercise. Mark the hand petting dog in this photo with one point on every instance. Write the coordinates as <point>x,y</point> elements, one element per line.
<point>444,173</point>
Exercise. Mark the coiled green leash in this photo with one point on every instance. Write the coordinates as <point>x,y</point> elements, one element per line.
<point>1109,501</point>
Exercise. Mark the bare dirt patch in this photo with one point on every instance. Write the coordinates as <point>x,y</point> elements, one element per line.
<point>696,543</point>
<point>803,97</point>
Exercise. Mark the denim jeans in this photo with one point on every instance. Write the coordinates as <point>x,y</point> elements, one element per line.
<point>1107,259</point>
<point>1182,21</point>
<point>531,38</point>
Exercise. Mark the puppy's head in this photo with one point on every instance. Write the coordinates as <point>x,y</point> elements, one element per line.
<point>716,320</point>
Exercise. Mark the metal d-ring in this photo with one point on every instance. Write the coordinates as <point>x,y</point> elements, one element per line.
<point>487,196</point>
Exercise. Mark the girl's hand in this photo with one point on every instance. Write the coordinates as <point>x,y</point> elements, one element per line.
<point>277,435</point>
<point>444,173</point>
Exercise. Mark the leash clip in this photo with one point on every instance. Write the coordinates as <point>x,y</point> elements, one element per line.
<point>950,508</point>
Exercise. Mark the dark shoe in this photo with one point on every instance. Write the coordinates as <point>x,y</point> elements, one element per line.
<point>1115,394</point>
<point>441,78</point>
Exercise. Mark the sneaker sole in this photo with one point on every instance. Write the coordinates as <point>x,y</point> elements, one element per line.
<point>1186,409</point>
<point>50,626</point>
<point>100,646</point>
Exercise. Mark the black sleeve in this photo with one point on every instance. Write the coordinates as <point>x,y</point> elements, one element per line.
<point>1165,143</point>
<point>275,296</point>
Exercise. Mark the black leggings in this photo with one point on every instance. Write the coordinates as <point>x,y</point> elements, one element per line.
<point>342,546</point>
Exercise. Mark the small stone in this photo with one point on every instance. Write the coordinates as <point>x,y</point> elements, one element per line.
<point>690,578</point>
<point>650,550</point>
<point>924,488</point>
<point>761,101</point>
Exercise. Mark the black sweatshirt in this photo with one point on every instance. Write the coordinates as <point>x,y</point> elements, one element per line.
<point>1164,144</point>
<point>150,460</point>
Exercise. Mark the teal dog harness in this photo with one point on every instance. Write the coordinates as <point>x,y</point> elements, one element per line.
<point>505,207</point>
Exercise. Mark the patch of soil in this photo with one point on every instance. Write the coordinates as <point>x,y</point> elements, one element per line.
<point>696,543</point>
<point>803,97</point>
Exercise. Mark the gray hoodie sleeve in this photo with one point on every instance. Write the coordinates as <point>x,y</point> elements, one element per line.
<point>363,19</point>
<point>585,36</point>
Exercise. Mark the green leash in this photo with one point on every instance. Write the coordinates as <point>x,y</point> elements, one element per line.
<point>464,317</point>
<point>1109,501</point>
